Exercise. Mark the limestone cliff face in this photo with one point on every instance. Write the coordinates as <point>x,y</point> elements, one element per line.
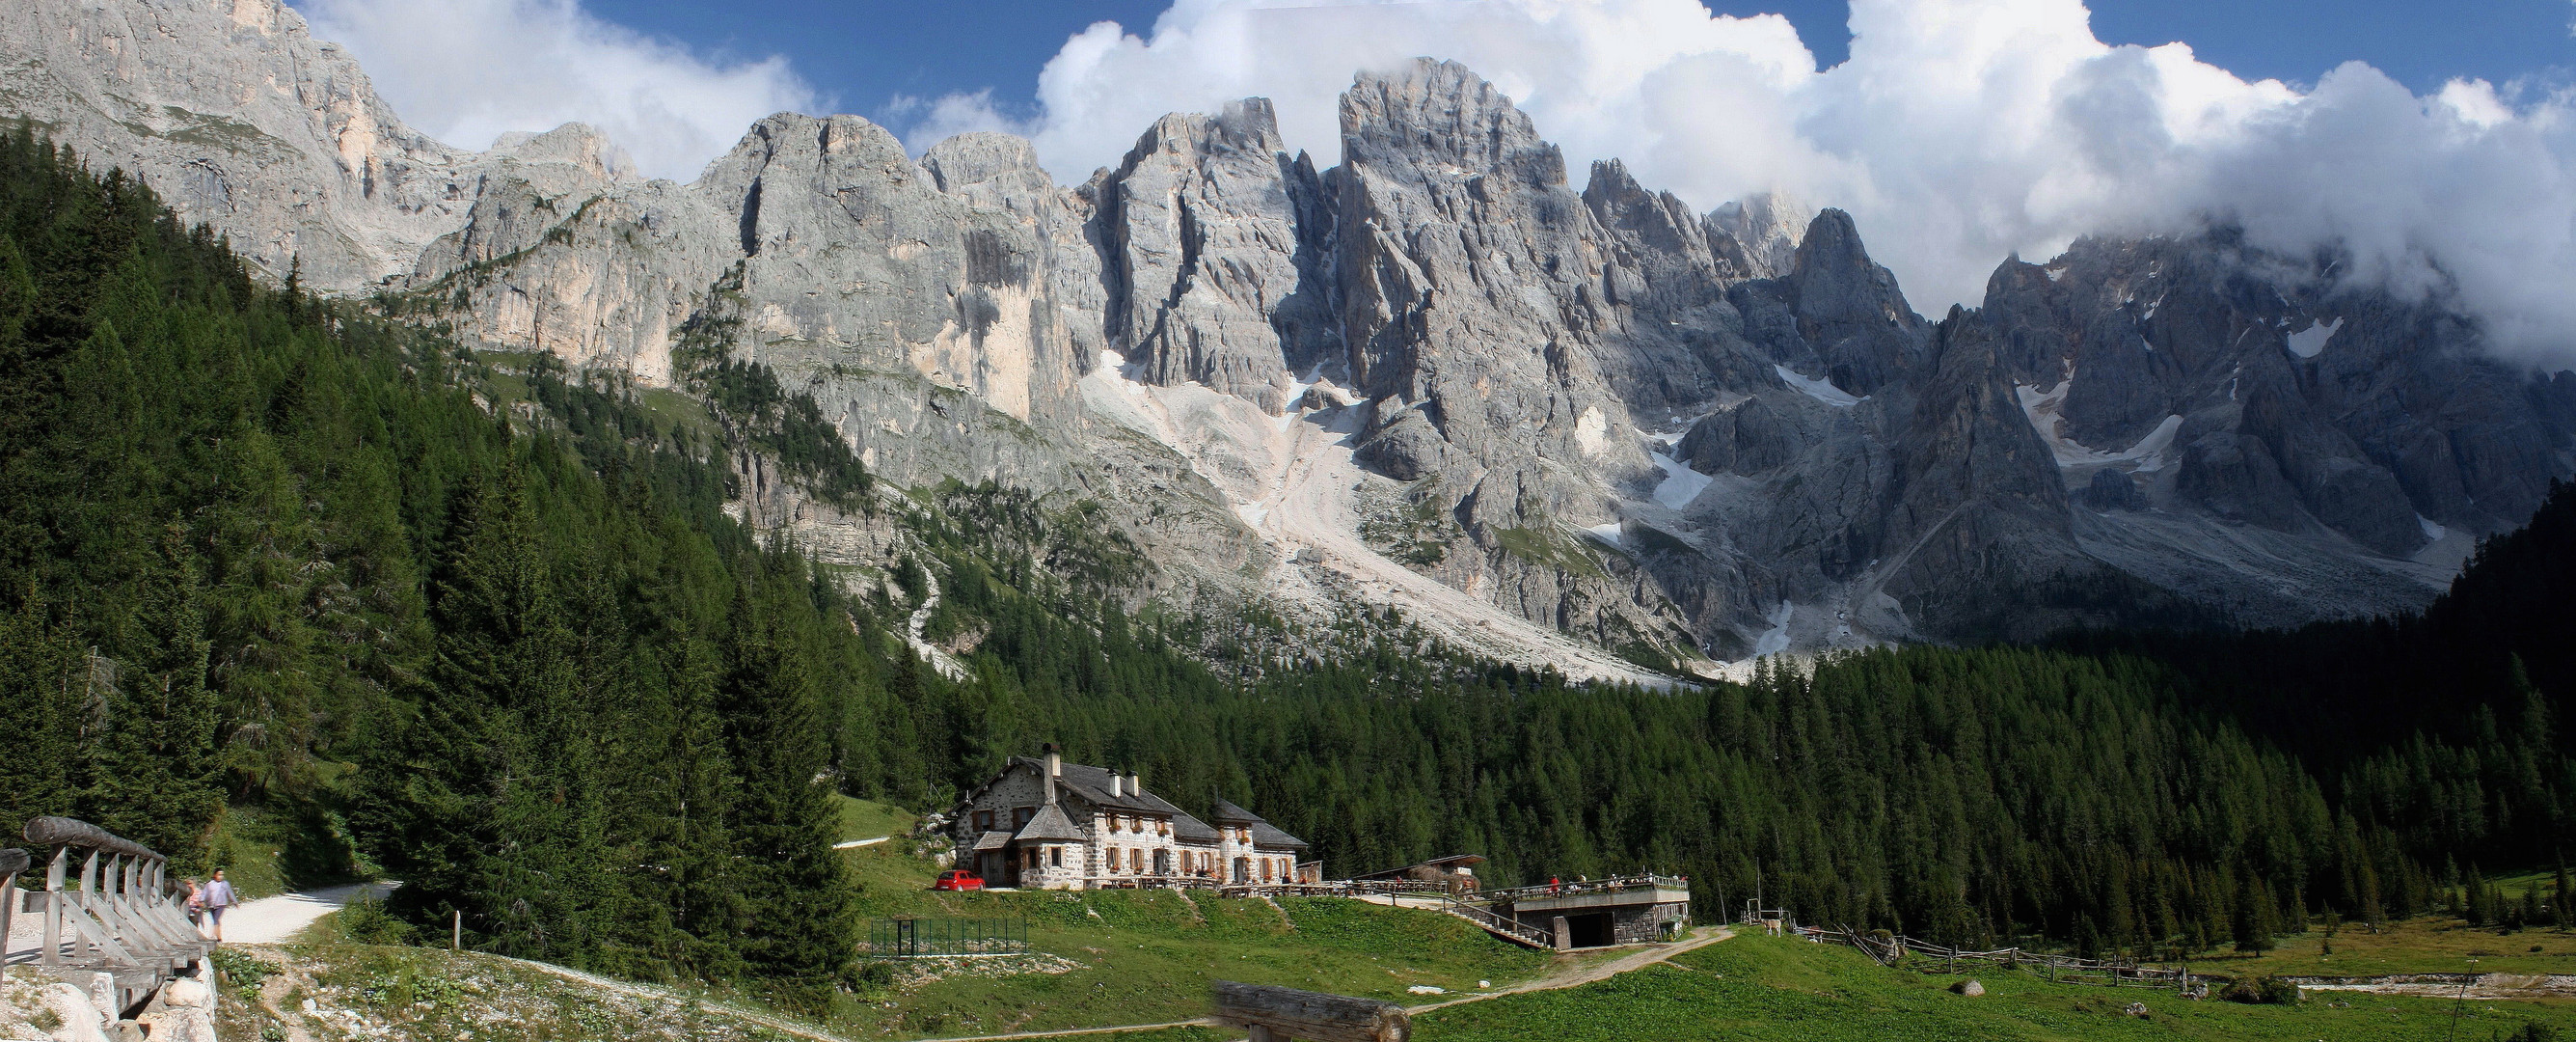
<point>1465,266</point>
<point>1211,248</point>
<point>240,119</point>
<point>1433,367</point>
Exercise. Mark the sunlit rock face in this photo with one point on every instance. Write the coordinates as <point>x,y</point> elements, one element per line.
<point>1430,371</point>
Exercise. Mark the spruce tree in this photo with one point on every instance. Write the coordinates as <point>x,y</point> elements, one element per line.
<point>2558,911</point>
<point>798,931</point>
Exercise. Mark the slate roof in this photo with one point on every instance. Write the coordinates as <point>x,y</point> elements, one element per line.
<point>1049,823</point>
<point>1092,785</point>
<point>1191,830</point>
<point>1264,834</point>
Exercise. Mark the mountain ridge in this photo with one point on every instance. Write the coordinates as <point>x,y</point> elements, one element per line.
<point>1591,410</point>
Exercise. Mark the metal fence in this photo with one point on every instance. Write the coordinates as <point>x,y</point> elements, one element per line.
<point>907,937</point>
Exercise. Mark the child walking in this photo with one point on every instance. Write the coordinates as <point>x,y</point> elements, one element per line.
<point>216,897</point>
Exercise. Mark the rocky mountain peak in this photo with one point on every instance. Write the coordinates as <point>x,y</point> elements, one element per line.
<point>1850,307</point>
<point>578,145</point>
<point>1442,118</point>
<point>243,121</point>
<point>1759,233</point>
<point>986,157</point>
<point>1212,243</point>
<point>1661,222</point>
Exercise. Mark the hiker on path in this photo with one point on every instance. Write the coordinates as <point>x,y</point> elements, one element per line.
<point>217,896</point>
<point>196,902</point>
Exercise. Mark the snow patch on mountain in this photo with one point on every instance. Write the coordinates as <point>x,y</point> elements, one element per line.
<point>1820,390</point>
<point>2310,342</point>
<point>2151,453</point>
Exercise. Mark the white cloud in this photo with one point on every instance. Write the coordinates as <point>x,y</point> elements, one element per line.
<point>1959,130</point>
<point>467,71</point>
<point>932,120</point>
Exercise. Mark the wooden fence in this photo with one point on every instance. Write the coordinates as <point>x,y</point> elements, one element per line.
<point>109,907</point>
<point>2065,969</point>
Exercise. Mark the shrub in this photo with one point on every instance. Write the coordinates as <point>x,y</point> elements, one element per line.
<point>2262,988</point>
<point>367,922</point>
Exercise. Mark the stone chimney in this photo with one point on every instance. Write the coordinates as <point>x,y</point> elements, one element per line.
<point>1117,785</point>
<point>1054,769</point>
<point>1135,784</point>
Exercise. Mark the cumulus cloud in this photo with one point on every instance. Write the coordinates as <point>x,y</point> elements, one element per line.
<point>1958,132</point>
<point>468,71</point>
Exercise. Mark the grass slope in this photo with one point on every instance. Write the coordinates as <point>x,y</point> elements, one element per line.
<point>1757,988</point>
<point>1098,959</point>
<point>868,819</point>
<point>1132,957</point>
<point>2427,944</point>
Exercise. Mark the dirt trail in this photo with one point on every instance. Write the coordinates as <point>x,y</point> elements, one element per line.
<point>1576,976</point>
<point>273,919</point>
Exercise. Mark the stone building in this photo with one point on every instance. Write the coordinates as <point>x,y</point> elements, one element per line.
<point>1042,823</point>
<point>1586,914</point>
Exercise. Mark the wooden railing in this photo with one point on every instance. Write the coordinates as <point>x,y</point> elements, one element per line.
<point>1535,937</point>
<point>1586,886</point>
<point>2061,968</point>
<point>108,906</point>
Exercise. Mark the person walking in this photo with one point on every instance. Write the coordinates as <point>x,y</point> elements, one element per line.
<point>196,903</point>
<point>218,896</point>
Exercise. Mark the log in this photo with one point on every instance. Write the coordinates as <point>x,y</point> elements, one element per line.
<point>13,861</point>
<point>1311,1016</point>
<point>70,832</point>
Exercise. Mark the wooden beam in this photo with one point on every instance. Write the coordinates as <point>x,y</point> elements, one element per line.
<point>1313,1016</point>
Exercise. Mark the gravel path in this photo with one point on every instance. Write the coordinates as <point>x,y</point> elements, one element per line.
<point>1578,976</point>
<point>273,919</point>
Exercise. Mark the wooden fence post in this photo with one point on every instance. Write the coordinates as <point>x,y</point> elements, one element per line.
<point>12,862</point>
<point>54,905</point>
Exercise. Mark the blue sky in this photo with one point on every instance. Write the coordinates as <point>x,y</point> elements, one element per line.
<point>861,53</point>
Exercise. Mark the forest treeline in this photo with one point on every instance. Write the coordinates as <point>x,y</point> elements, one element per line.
<point>259,548</point>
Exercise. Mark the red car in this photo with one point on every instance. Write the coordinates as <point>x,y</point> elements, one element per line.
<point>958,879</point>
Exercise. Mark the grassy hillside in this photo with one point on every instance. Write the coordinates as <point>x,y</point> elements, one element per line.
<point>2427,944</point>
<point>1101,958</point>
<point>1127,957</point>
<point>1759,989</point>
<point>868,819</point>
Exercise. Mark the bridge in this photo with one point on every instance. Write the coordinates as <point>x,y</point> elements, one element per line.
<point>114,924</point>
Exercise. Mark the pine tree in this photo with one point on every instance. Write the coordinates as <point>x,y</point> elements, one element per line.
<point>2558,910</point>
<point>798,928</point>
<point>2253,921</point>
